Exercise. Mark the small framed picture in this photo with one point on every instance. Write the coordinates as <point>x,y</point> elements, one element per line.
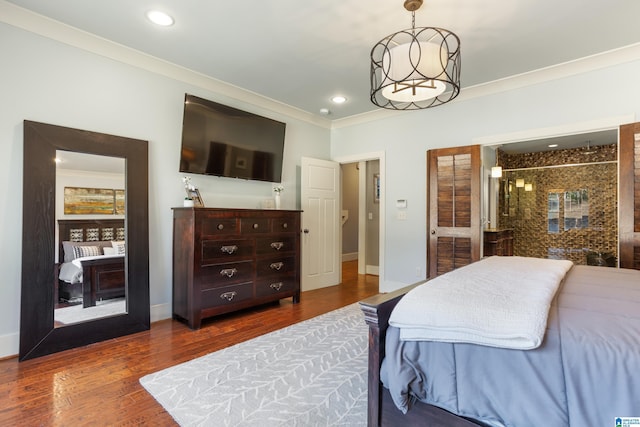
<point>195,196</point>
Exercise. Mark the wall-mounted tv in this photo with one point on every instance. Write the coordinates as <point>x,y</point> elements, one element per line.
<point>224,141</point>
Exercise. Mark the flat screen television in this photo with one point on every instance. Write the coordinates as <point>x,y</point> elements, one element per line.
<point>223,141</point>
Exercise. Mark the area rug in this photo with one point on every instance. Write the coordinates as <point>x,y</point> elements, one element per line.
<point>313,373</point>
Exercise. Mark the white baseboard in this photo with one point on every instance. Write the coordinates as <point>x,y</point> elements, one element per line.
<point>372,269</point>
<point>350,257</point>
<point>160,312</point>
<point>9,345</point>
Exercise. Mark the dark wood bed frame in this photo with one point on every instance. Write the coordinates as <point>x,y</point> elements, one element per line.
<point>102,278</point>
<point>381,409</point>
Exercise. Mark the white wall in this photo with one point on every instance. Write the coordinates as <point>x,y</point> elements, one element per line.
<point>578,101</point>
<point>47,81</point>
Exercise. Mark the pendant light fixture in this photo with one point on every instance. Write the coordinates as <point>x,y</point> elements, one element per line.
<point>415,68</point>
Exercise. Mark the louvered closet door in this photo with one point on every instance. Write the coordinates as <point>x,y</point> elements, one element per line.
<point>630,196</point>
<point>453,208</point>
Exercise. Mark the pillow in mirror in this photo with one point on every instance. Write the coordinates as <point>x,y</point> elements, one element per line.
<point>119,246</point>
<point>109,250</point>
<point>83,251</point>
<point>68,246</point>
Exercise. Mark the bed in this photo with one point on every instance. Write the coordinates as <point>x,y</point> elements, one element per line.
<point>91,256</point>
<point>580,373</point>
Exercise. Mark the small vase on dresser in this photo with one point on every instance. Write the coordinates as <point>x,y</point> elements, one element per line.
<point>277,200</point>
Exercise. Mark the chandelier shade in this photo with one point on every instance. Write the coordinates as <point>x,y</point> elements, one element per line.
<point>415,68</point>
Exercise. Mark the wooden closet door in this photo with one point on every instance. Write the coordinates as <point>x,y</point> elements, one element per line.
<point>630,196</point>
<point>453,208</point>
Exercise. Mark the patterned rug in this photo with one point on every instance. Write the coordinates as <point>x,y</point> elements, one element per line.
<point>313,373</point>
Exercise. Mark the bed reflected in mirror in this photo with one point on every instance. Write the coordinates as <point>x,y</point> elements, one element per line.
<point>90,237</point>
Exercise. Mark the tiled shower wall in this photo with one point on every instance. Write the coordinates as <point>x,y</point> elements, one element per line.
<point>527,212</point>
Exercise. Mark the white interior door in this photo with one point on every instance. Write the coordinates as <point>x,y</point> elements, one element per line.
<point>321,230</point>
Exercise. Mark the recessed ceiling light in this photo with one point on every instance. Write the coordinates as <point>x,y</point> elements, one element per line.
<point>339,99</point>
<point>552,145</point>
<point>160,18</point>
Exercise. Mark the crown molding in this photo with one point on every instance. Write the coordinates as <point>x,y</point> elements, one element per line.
<point>566,69</point>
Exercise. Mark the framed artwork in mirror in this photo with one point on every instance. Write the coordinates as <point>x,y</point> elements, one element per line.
<point>92,201</point>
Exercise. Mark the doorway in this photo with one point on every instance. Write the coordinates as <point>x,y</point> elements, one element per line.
<point>360,199</point>
<point>566,210</point>
<point>559,196</point>
<point>363,223</point>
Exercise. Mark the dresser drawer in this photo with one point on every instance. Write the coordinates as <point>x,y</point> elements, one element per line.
<point>254,225</point>
<point>275,245</point>
<point>219,226</point>
<point>226,295</point>
<point>214,251</point>
<point>279,265</point>
<point>285,223</point>
<point>275,286</point>
<point>225,274</point>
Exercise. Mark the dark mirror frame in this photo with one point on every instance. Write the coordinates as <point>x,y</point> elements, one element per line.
<point>38,336</point>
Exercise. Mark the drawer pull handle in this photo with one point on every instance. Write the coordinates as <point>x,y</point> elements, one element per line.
<point>276,265</point>
<point>285,225</point>
<point>220,226</point>
<point>229,249</point>
<point>255,226</point>
<point>229,272</point>
<point>277,245</point>
<point>228,295</point>
<point>276,286</point>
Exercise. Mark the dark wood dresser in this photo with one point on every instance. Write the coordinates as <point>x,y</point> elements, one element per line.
<point>498,242</point>
<point>229,259</point>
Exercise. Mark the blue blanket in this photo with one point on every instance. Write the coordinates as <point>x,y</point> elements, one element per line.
<point>583,374</point>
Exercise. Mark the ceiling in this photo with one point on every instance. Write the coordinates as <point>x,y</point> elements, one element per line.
<point>301,53</point>
<point>72,160</point>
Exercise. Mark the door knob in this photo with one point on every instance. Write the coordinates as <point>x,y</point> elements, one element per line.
<point>305,231</point>
<point>433,231</point>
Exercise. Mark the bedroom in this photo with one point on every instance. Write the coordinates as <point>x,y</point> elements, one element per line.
<point>49,80</point>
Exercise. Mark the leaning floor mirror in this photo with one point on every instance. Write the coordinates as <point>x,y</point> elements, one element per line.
<point>85,245</point>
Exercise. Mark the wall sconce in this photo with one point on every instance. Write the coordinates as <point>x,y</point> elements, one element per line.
<point>519,182</point>
<point>528,187</point>
<point>496,171</point>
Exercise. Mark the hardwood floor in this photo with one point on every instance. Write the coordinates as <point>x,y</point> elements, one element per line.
<point>98,384</point>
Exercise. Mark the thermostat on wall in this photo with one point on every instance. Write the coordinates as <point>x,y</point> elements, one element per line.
<point>401,203</point>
